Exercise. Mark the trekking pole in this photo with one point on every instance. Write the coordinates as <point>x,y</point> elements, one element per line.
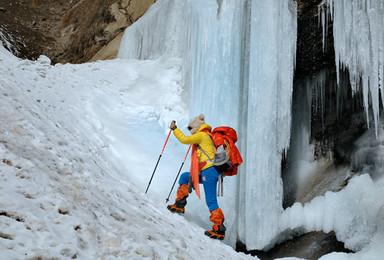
<point>158,160</point>
<point>177,176</point>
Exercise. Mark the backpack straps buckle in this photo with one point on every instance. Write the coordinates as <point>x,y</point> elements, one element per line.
<point>220,186</point>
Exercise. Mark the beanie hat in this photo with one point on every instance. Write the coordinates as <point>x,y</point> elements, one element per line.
<point>195,123</point>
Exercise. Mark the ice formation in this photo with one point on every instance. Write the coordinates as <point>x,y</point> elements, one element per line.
<point>359,39</point>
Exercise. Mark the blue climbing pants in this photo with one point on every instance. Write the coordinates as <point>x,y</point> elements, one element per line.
<point>208,178</point>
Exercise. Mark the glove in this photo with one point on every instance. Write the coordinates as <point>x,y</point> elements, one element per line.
<point>173,125</point>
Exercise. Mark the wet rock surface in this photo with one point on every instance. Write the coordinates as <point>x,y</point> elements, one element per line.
<point>310,246</point>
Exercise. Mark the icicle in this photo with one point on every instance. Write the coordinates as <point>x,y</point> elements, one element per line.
<point>358,36</point>
<point>324,26</point>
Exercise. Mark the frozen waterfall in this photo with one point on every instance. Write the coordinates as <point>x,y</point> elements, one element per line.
<point>238,58</point>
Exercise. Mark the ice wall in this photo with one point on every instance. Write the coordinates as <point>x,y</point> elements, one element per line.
<point>163,30</point>
<point>272,58</point>
<point>239,59</point>
<point>359,39</point>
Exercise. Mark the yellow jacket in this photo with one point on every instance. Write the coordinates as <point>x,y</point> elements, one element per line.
<point>201,138</point>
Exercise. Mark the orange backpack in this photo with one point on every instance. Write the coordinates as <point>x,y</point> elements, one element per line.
<point>227,156</point>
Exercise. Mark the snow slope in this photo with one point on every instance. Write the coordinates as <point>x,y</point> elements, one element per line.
<point>78,144</point>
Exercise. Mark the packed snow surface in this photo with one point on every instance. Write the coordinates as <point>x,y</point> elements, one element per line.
<point>78,144</point>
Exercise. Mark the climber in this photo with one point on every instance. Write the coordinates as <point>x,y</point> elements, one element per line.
<point>202,171</point>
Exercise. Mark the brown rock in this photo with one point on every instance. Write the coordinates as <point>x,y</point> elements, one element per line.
<point>68,30</point>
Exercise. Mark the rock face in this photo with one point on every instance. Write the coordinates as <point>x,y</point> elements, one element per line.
<point>67,30</point>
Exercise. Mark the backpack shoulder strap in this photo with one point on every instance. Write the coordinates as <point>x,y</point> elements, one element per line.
<point>201,149</point>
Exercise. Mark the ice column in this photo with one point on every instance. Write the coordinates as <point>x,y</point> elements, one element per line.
<point>272,51</point>
<point>358,31</point>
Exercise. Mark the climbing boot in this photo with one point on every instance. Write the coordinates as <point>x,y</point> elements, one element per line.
<point>218,228</point>
<point>181,200</point>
